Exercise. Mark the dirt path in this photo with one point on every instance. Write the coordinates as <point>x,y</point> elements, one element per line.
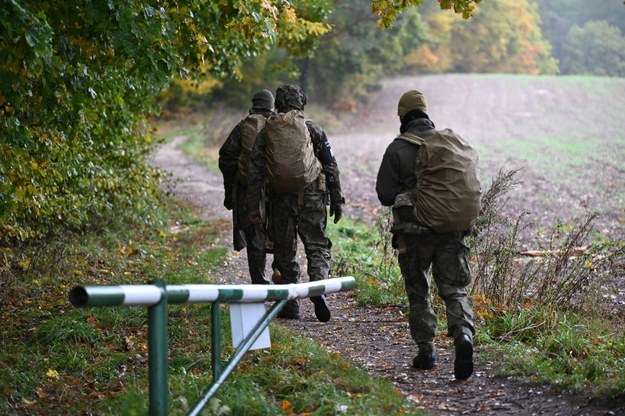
<point>377,339</point>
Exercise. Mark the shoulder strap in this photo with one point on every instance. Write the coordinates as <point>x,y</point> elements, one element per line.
<point>411,138</point>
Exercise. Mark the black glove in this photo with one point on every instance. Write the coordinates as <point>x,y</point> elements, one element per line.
<point>228,203</point>
<point>336,211</point>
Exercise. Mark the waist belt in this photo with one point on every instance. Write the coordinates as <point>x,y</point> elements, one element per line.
<point>404,227</point>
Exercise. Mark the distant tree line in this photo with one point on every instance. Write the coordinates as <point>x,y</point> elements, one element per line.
<point>587,37</point>
<point>503,36</point>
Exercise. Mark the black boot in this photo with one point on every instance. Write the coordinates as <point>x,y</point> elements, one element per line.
<point>290,310</point>
<point>463,366</point>
<point>322,312</point>
<point>426,358</point>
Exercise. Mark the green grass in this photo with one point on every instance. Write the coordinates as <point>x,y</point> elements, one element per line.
<point>60,360</point>
<point>573,352</point>
<point>363,252</point>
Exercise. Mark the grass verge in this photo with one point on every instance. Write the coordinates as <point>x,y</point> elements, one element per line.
<point>60,360</point>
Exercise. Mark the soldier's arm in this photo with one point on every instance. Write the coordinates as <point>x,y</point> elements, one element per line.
<point>229,162</point>
<point>388,182</point>
<point>324,153</point>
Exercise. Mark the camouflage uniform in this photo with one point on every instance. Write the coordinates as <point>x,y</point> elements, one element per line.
<point>420,247</point>
<point>245,234</point>
<point>303,213</point>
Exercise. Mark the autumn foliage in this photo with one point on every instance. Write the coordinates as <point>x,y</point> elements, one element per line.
<point>78,79</point>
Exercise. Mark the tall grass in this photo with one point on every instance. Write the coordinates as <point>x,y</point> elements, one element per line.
<point>547,313</point>
<point>570,270</point>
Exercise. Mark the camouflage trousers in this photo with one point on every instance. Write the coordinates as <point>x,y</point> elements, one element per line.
<point>446,254</point>
<point>256,255</point>
<point>253,237</point>
<point>304,215</point>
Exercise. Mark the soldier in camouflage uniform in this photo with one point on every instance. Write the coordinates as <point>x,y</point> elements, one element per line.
<point>421,247</point>
<point>301,213</point>
<point>245,234</point>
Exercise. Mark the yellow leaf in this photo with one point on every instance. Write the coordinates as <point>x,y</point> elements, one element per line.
<point>52,373</point>
<point>289,15</point>
<point>24,263</point>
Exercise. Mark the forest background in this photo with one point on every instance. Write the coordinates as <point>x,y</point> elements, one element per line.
<point>79,82</point>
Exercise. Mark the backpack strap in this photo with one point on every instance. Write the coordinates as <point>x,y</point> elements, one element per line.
<point>411,138</point>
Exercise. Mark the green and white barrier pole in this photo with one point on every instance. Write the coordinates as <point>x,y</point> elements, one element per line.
<point>131,295</point>
<point>158,295</point>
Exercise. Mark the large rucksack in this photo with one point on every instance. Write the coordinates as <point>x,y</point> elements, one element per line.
<point>250,127</point>
<point>291,161</point>
<point>447,195</point>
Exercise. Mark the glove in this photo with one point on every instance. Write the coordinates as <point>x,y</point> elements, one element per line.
<point>336,211</point>
<point>228,203</point>
<point>255,218</point>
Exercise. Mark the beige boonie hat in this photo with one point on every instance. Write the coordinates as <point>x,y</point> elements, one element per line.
<point>411,100</point>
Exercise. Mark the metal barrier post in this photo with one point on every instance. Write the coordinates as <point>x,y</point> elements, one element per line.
<point>238,355</point>
<point>216,336</point>
<point>157,353</point>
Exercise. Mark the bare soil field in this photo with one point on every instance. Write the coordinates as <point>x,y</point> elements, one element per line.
<point>568,136</point>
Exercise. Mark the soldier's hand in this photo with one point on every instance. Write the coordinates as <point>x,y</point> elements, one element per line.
<point>336,211</point>
<point>228,203</point>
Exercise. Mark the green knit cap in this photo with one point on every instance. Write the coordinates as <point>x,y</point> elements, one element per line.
<point>263,99</point>
<point>411,100</point>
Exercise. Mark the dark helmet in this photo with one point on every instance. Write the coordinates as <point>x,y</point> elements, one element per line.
<point>289,97</point>
<point>263,99</point>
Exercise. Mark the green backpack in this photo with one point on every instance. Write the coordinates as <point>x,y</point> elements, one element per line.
<point>447,195</point>
<point>291,161</point>
<point>250,127</point>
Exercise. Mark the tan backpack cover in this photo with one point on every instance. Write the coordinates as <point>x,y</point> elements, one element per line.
<point>291,161</point>
<point>448,191</point>
<point>250,127</point>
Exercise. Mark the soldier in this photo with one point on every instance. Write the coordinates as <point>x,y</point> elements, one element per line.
<point>302,212</point>
<point>421,247</point>
<point>233,161</point>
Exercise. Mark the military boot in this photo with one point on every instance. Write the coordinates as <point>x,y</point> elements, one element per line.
<point>426,358</point>
<point>290,310</point>
<point>322,312</point>
<point>463,365</point>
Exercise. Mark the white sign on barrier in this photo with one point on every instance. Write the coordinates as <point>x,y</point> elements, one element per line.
<point>243,319</point>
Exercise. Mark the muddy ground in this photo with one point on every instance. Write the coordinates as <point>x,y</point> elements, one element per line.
<point>496,115</point>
